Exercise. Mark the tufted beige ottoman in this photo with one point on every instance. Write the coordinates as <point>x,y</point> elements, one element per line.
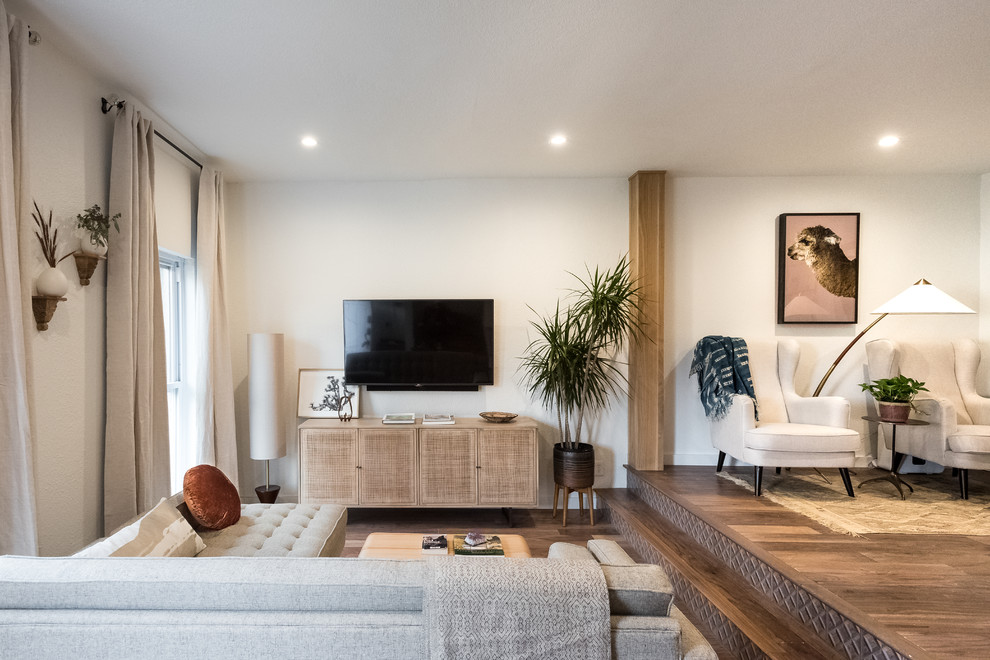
<point>281,530</point>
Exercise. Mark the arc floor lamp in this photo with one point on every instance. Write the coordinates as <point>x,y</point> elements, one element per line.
<point>922,297</point>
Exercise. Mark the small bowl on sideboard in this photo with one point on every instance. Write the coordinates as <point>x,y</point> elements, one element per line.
<point>498,417</point>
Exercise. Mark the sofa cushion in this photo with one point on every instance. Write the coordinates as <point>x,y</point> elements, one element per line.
<point>970,439</point>
<point>569,551</point>
<point>281,530</point>
<point>610,553</point>
<point>804,438</point>
<point>211,497</point>
<point>640,590</point>
<point>207,586</point>
<point>161,532</point>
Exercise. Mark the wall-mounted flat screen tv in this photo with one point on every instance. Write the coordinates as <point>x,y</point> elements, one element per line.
<point>439,344</point>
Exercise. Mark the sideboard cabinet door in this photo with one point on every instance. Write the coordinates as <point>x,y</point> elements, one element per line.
<point>507,460</point>
<point>388,466</point>
<point>328,466</point>
<point>448,467</point>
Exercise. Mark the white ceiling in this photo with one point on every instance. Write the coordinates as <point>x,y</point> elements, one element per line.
<point>408,89</point>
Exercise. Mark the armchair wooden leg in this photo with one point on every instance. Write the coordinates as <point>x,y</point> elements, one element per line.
<point>964,483</point>
<point>776,471</point>
<point>759,480</point>
<point>721,461</point>
<point>846,481</point>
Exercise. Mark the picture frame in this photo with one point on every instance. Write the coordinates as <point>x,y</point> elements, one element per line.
<point>320,393</point>
<point>818,268</point>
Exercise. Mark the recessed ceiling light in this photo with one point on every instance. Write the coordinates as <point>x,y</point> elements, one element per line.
<point>889,140</point>
<point>309,142</point>
<point>558,140</point>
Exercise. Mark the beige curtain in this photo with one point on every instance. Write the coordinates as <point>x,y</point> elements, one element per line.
<point>136,460</point>
<point>18,527</point>
<point>216,434</point>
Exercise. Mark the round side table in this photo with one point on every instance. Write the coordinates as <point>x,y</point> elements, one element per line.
<point>895,461</point>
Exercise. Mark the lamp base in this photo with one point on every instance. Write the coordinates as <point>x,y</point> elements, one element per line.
<point>267,494</point>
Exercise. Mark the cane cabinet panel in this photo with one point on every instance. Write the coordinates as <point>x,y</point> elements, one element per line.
<point>448,467</point>
<point>468,464</point>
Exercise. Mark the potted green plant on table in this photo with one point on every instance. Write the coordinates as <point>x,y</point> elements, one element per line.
<point>95,227</point>
<point>572,368</point>
<point>894,396</point>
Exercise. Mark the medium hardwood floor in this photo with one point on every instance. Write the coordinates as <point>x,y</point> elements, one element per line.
<point>933,590</point>
<point>535,525</point>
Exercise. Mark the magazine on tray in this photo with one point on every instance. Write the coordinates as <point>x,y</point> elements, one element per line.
<point>399,418</point>
<point>434,544</point>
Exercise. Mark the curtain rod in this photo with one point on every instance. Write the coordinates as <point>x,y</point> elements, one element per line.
<point>106,106</point>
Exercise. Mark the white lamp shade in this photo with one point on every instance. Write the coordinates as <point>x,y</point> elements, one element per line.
<point>923,297</point>
<point>266,385</point>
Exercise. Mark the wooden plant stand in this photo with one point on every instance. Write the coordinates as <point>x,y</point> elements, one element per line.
<point>567,490</point>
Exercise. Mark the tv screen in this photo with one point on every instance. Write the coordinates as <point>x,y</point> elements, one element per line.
<point>419,344</point>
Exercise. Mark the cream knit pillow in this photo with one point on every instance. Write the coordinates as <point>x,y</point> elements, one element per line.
<point>162,532</point>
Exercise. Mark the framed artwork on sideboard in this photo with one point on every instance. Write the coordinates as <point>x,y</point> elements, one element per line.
<point>324,393</point>
<point>818,268</point>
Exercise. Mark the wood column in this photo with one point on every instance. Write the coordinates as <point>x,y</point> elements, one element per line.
<point>646,222</point>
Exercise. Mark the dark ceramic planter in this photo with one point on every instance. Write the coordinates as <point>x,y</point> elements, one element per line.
<point>574,468</point>
<point>894,412</point>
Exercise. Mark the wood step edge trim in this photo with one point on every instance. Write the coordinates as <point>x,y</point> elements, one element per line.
<point>883,632</point>
<point>744,605</point>
<point>822,594</point>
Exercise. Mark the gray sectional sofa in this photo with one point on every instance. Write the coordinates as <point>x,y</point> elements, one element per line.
<point>579,602</point>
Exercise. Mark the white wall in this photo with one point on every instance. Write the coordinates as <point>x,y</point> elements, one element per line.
<point>721,247</point>
<point>68,144</point>
<point>69,157</point>
<point>297,250</point>
<point>985,264</point>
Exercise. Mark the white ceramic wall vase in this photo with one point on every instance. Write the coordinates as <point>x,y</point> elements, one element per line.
<point>90,247</point>
<point>52,282</point>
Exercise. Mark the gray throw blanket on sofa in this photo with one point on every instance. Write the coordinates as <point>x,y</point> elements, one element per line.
<point>501,607</point>
<point>722,365</point>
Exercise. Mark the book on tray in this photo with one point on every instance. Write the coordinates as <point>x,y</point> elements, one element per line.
<point>437,418</point>
<point>399,418</point>
<point>477,545</point>
<point>434,544</point>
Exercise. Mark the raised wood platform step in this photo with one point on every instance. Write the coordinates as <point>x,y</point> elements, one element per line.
<point>753,603</point>
<point>724,604</point>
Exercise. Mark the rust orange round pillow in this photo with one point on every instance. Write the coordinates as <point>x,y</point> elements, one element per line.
<point>211,497</point>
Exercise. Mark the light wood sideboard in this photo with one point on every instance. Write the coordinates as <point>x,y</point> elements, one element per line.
<point>471,463</point>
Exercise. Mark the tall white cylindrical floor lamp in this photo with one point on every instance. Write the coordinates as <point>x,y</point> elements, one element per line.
<point>266,385</point>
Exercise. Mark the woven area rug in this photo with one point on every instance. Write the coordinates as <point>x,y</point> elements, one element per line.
<point>933,508</point>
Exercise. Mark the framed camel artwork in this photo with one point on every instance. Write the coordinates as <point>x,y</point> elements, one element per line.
<point>818,268</point>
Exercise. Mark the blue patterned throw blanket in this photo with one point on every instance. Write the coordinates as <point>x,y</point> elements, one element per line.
<point>722,365</point>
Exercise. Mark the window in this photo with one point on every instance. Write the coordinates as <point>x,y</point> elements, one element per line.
<point>176,186</point>
<point>175,277</point>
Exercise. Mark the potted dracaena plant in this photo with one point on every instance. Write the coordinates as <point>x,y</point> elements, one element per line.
<point>571,366</point>
<point>894,396</point>
<point>95,227</point>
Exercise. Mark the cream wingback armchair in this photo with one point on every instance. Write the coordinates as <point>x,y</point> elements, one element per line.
<point>792,431</point>
<point>958,434</point>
